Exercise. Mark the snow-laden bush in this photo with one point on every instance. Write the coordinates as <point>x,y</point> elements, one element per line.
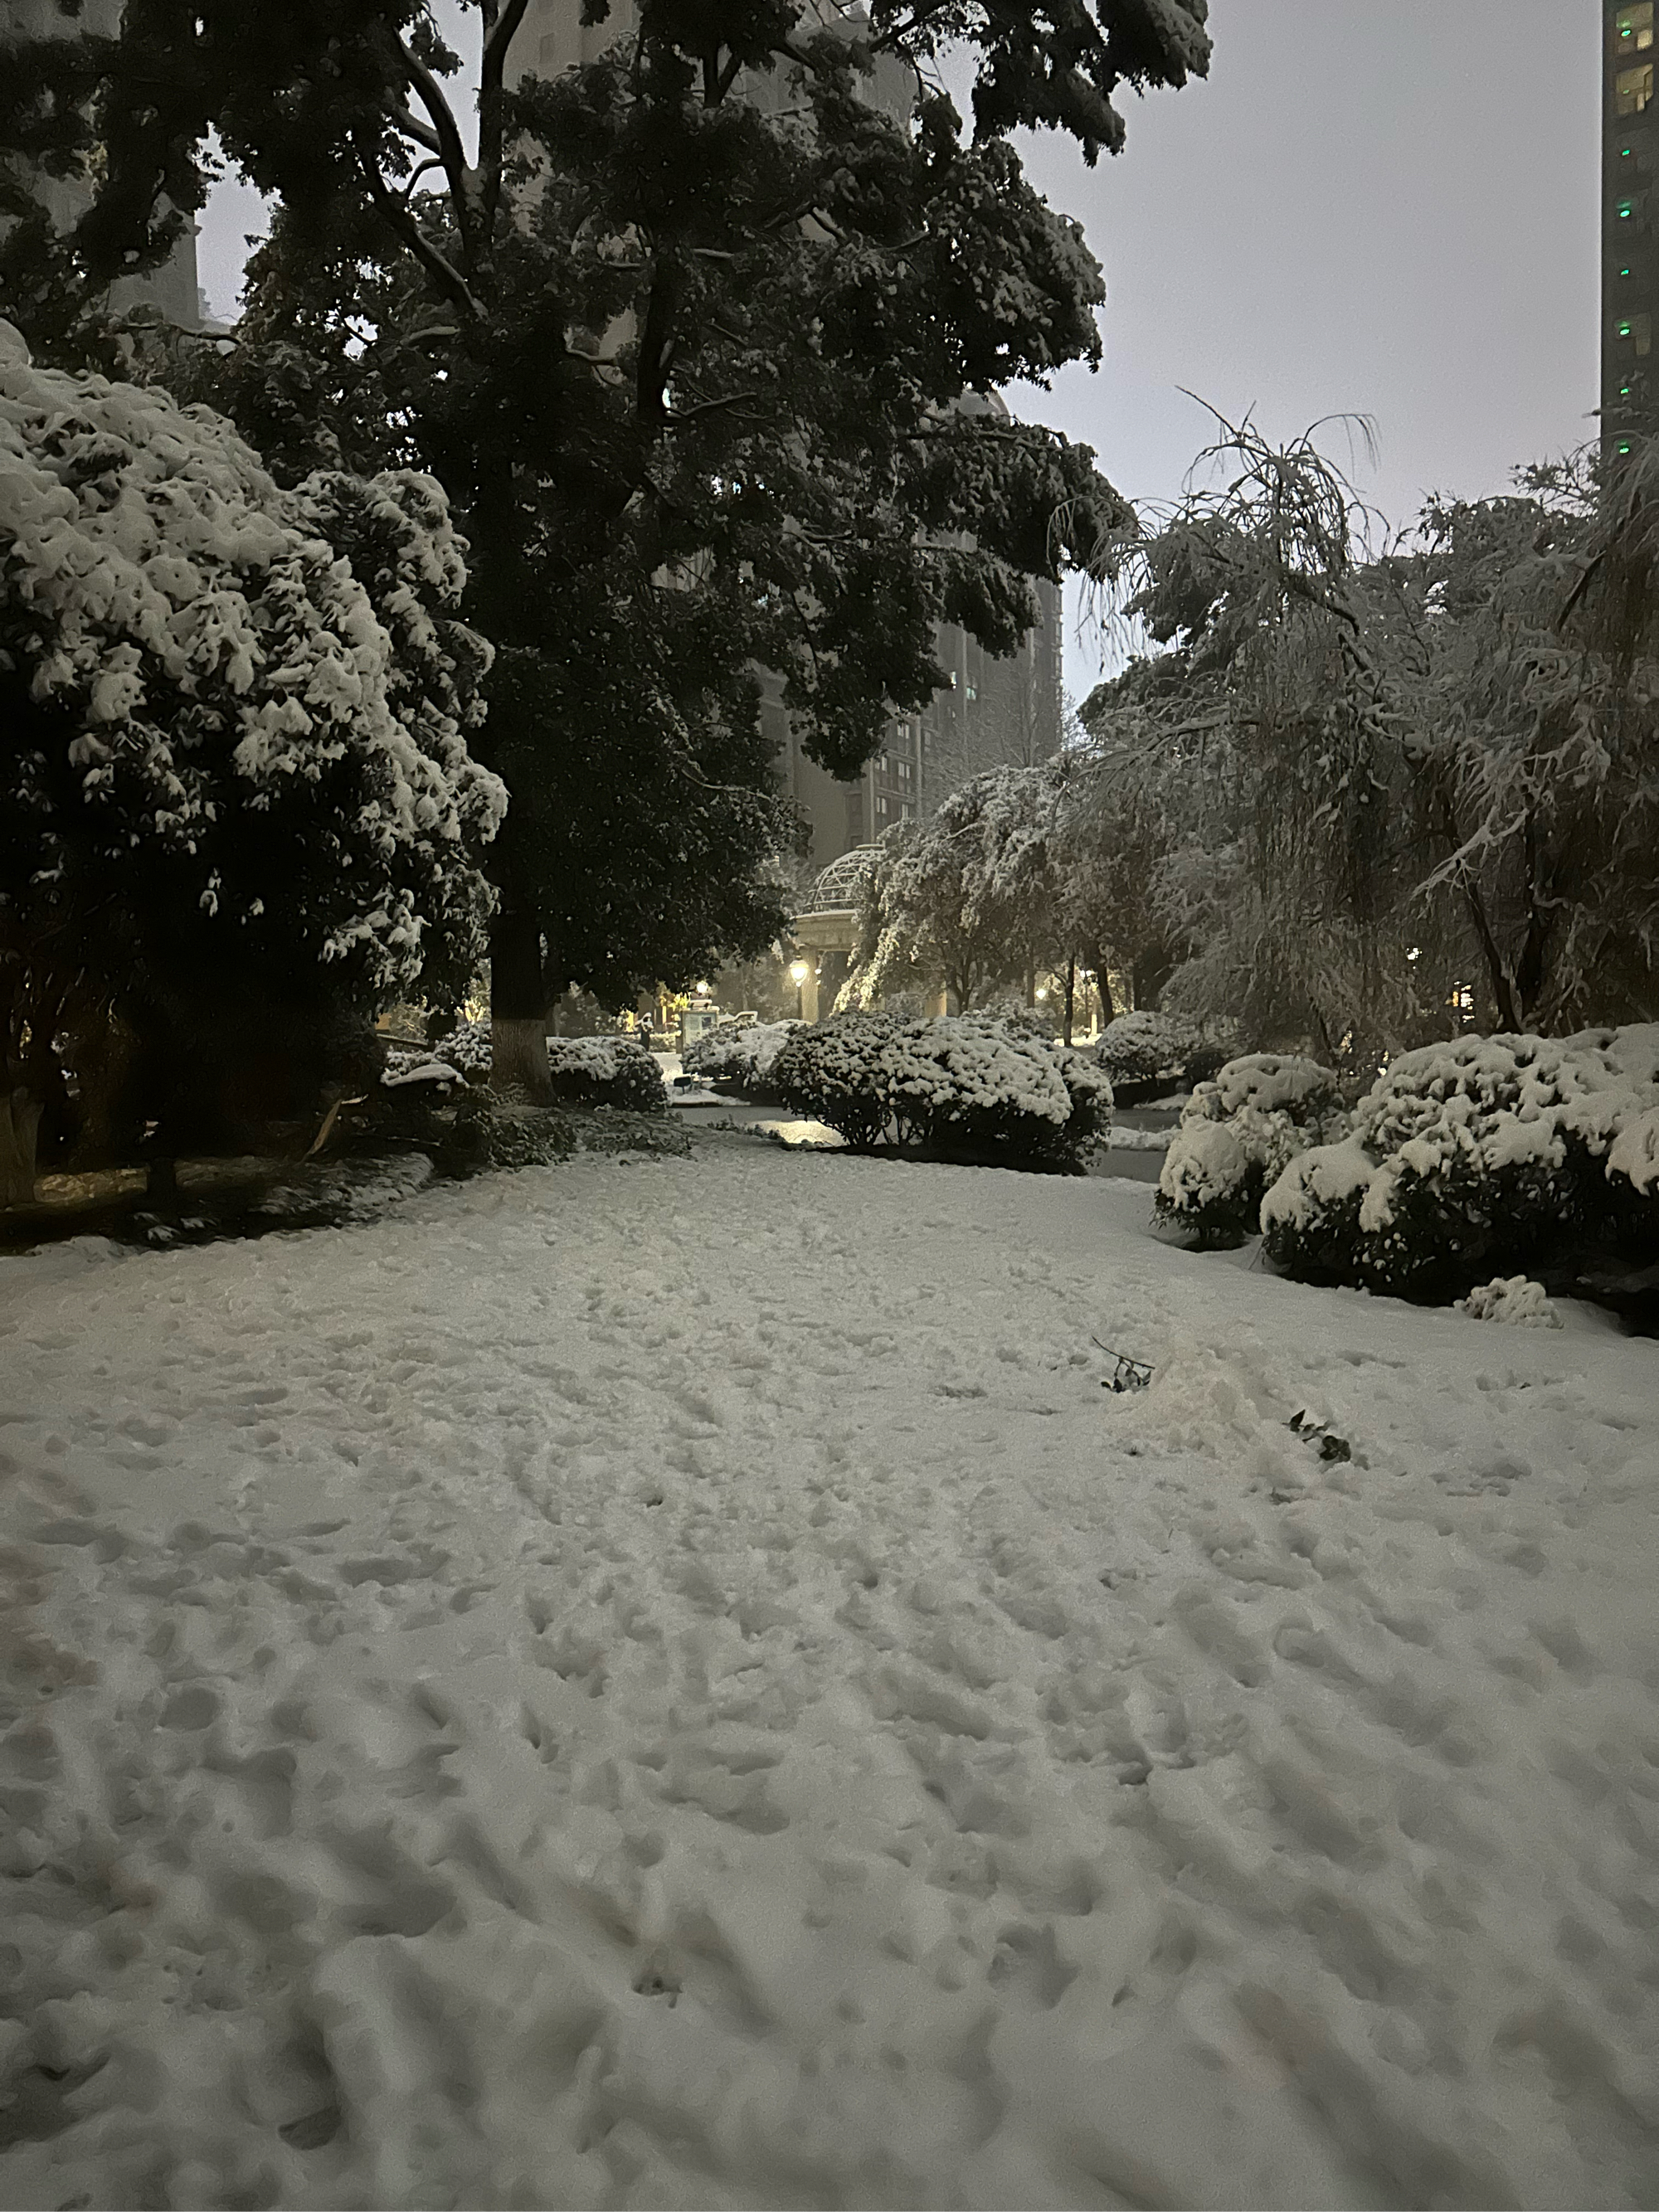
<point>739,1056</point>
<point>1513,1300</point>
<point>606,1071</point>
<point>262,695</point>
<point>1236,1134</point>
<point>992,1091</point>
<point>466,1049</point>
<point>835,1071</point>
<point>614,1071</point>
<point>966,1086</point>
<point>1139,1047</point>
<point>1483,1154</point>
<point>237,805</point>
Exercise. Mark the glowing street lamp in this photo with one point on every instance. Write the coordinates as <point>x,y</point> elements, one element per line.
<point>798,972</point>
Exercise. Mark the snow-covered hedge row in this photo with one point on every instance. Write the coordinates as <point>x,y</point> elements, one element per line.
<point>1237,1134</point>
<point>1479,1158</point>
<point>739,1056</point>
<point>591,1071</point>
<point>965,1087</point>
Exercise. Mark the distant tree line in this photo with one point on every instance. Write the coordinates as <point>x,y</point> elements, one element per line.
<point>1353,799</point>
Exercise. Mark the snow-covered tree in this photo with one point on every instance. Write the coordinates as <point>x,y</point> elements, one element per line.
<point>235,774</point>
<point>1385,787</point>
<point>684,339</point>
<point>969,899</point>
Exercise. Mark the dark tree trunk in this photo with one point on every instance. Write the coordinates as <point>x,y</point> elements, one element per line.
<point>517,1004</point>
<point>1071,996</point>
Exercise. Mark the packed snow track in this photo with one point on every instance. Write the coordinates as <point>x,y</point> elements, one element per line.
<point>670,1683</point>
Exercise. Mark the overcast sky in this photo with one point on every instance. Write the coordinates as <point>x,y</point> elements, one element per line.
<point>1389,210</point>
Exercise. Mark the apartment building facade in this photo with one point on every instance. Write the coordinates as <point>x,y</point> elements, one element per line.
<point>1630,222</point>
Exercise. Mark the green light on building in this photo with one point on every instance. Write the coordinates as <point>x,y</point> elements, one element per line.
<point>1626,209</point>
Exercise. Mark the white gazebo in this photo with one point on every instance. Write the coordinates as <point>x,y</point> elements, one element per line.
<point>826,927</point>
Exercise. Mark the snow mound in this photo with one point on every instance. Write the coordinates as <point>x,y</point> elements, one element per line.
<point>1513,1300</point>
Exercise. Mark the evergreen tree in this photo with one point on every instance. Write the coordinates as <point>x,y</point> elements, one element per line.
<point>683,341</point>
<point>238,812</point>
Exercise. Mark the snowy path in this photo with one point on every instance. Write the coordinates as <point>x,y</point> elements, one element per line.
<point>669,1683</point>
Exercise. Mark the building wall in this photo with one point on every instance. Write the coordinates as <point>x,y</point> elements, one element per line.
<point>172,288</point>
<point>1629,218</point>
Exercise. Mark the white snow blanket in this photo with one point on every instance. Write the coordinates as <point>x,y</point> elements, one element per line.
<point>671,1683</point>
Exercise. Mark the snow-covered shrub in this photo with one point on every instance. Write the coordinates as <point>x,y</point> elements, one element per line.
<point>606,1071</point>
<point>1513,1300</point>
<point>1469,1156</point>
<point>991,1090</point>
<point>406,1066</point>
<point>233,766</point>
<point>1235,1137</point>
<point>466,1049</point>
<point>739,1056</point>
<point>835,1071</point>
<point>1139,1047</point>
<point>965,1085</point>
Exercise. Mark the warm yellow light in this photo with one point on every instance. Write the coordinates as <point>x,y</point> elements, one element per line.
<point>702,990</point>
<point>1041,994</point>
<point>799,971</point>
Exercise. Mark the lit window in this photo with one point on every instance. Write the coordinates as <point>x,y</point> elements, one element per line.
<point>1633,28</point>
<point>1632,89</point>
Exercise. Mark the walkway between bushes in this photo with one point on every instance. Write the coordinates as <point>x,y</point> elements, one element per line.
<point>670,1682</point>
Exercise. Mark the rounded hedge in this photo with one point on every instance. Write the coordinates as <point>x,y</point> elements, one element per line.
<point>1236,1134</point>
<point>1483,1157</point>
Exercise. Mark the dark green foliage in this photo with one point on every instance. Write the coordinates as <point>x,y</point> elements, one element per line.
<point>689,371</point>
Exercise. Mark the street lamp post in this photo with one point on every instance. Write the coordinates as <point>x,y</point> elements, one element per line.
<point>798,972</point>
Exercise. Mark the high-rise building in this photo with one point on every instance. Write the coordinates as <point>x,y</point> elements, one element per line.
<point>992,713</point>
<point>171,288</point>
<point>1630,222</point>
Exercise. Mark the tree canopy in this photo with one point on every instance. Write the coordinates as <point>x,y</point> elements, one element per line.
<point>233,759</point>
<point>684,340</point>
<point>1388,790</point>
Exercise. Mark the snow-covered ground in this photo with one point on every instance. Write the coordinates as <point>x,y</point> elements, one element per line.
<point>670,1683</point>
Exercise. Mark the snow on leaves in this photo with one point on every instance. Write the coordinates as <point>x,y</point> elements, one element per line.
<point>209,649</point>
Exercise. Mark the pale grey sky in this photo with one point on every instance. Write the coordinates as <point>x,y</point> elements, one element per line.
<point>1390,209</point>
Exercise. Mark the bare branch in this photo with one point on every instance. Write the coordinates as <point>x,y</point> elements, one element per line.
<point>451,151</point>
<point>391,211</point>
<point>499,30</point>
